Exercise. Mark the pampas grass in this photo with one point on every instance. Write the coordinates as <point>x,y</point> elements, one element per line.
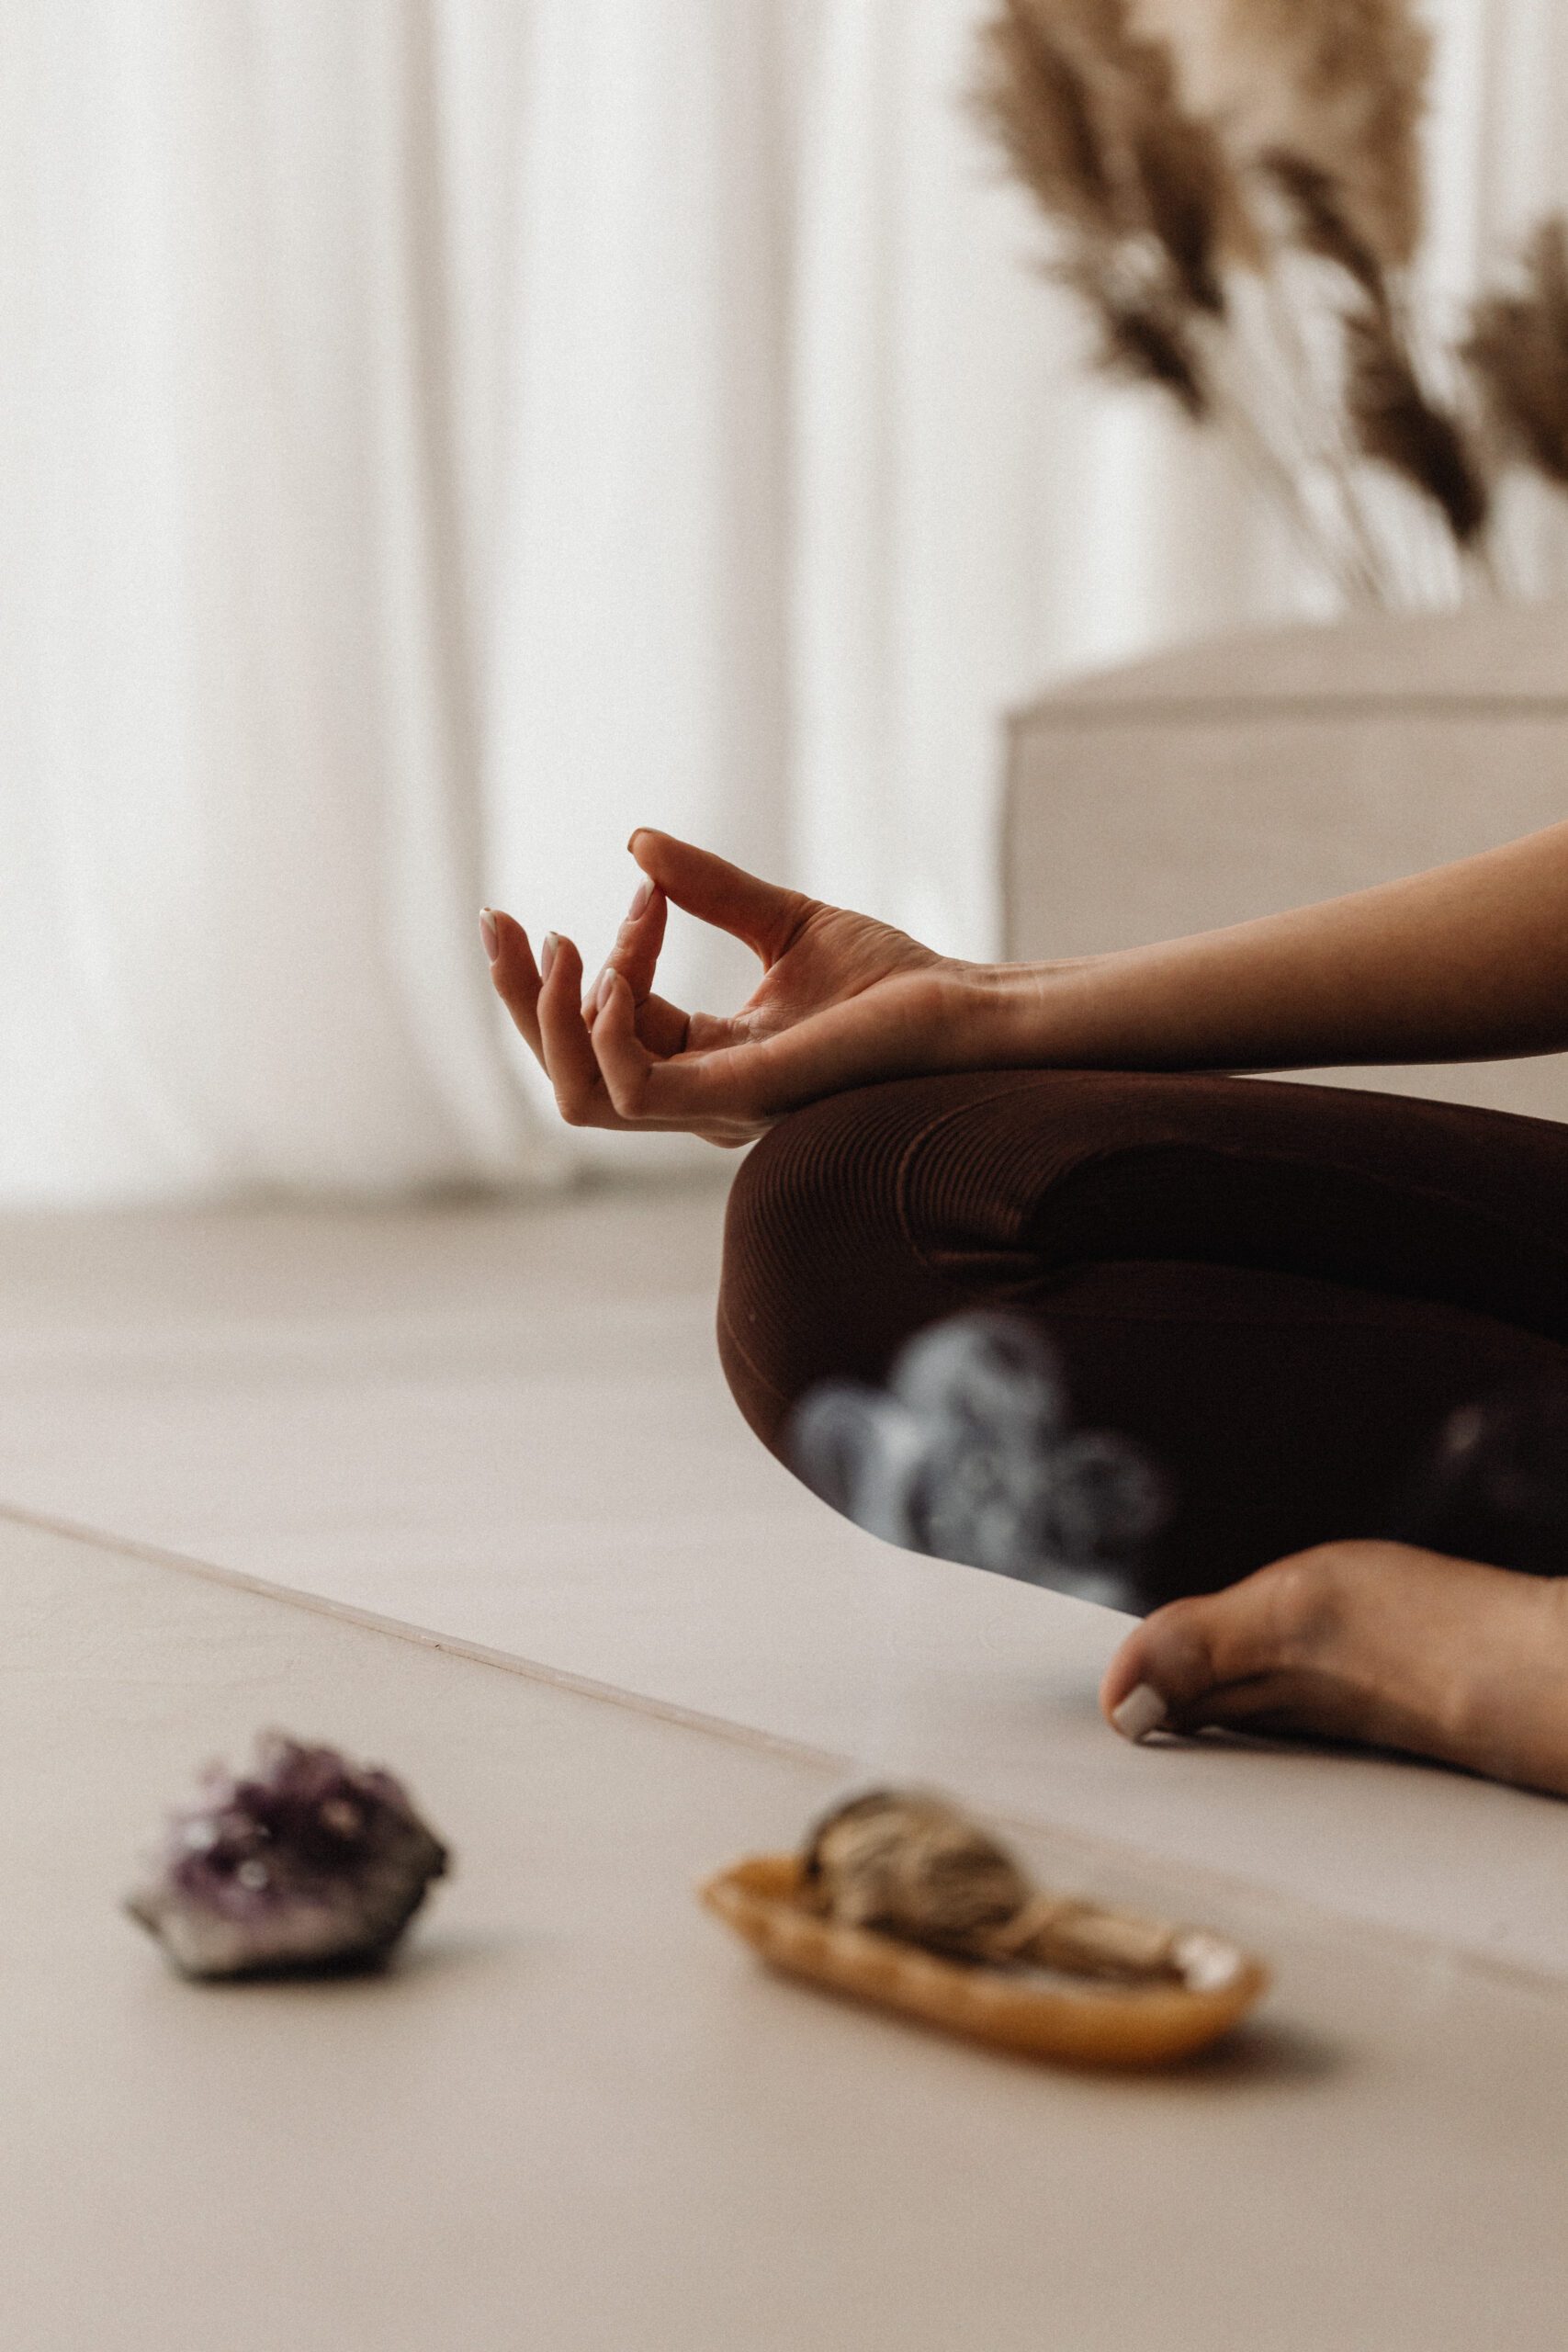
<point>1341,85</point>
<point>1235,192</point>
<point>1518,350</point>
<point>1086,108</point>
<point>1397,425</point>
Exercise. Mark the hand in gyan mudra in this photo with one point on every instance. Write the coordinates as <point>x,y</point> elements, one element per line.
<point>842,1000</point>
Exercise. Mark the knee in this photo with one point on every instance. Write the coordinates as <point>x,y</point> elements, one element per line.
<point>820,1278</point>
<point>781,1234</point>
<point>863,1216</point>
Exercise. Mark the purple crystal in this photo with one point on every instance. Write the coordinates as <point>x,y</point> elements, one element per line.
<point>312,1862</point>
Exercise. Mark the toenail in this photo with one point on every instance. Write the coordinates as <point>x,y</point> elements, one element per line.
<point>1140,1713</point>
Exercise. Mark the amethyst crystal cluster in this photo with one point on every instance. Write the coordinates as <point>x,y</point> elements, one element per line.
<point>310,1863</point>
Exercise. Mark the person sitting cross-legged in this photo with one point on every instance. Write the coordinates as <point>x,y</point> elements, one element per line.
<point>1286,1294</point>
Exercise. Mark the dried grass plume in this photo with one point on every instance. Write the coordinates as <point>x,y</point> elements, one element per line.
<point>1518,350</point>
<point>1236,190</point>
<point>1087,108</point>
<point>1341,86</point>
<point>1398,426</point>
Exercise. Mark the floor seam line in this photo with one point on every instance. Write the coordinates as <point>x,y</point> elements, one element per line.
<point>1541,1982</point>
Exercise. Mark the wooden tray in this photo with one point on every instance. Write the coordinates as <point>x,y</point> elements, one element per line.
<point>1084,2021</point>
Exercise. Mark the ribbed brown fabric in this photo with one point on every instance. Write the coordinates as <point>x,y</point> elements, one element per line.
<point>1283,1290</point>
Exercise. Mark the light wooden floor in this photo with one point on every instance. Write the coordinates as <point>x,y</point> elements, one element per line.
<point>507,1424</point>
<point>577,2118</point>
<point>409,1393</point>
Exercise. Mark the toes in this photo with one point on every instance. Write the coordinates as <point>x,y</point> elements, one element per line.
<point>1374,1643</point>
<point>1225,1656</point>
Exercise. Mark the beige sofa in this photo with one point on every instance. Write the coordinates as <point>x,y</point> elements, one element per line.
<point>1260,771</point>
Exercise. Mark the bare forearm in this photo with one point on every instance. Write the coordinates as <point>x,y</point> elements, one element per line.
<point>1467,962</point>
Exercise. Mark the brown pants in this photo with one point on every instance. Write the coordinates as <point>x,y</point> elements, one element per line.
<point>1282,1292</point>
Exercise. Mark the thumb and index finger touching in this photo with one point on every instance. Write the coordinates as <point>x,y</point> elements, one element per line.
<point>760,913</point>
<point>694,879</point>
<point>677,873</point>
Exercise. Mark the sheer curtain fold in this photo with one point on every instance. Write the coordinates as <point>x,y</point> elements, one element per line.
<point>636,655</point>
<point>238,827</point>
<point>442,434</point>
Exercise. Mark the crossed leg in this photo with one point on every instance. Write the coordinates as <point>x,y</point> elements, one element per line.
<point>1284,1294</point>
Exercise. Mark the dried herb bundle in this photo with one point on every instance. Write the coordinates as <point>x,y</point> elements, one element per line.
<point>1181,147</point>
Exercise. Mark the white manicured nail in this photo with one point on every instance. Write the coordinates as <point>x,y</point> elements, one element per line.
<point>1141,1712</point>
<point>488,935</point>
<point>640,897</point>
<point>605,985</point>
<point>547,954</point>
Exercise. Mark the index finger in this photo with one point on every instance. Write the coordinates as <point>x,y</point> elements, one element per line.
<point>637,943</point>
<point>637,948</point>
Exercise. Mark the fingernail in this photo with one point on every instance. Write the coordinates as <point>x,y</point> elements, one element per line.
<point>489,934</point>
<point>605,985</point>
<point>548,953</point>
<point>1141,1712</point>
<point>640,897</point>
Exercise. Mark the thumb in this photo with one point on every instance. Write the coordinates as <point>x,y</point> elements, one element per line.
<point>760,912</point>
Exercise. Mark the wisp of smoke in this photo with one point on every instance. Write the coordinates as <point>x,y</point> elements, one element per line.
<point>968,1454</point>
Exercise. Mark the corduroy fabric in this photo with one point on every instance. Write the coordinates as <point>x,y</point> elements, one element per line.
<point>1283,1290</point>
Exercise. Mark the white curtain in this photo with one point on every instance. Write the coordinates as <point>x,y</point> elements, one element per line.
<point>442,434</point>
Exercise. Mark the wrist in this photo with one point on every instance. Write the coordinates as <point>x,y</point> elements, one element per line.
<point>1015,1013</point>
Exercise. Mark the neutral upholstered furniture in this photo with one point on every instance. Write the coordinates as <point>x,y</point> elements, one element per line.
<point>1254,773</point>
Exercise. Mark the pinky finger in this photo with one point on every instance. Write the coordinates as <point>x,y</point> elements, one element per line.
<point>514,977</point>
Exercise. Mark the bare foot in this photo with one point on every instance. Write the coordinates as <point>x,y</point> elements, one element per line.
<point>1374,1643</point>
